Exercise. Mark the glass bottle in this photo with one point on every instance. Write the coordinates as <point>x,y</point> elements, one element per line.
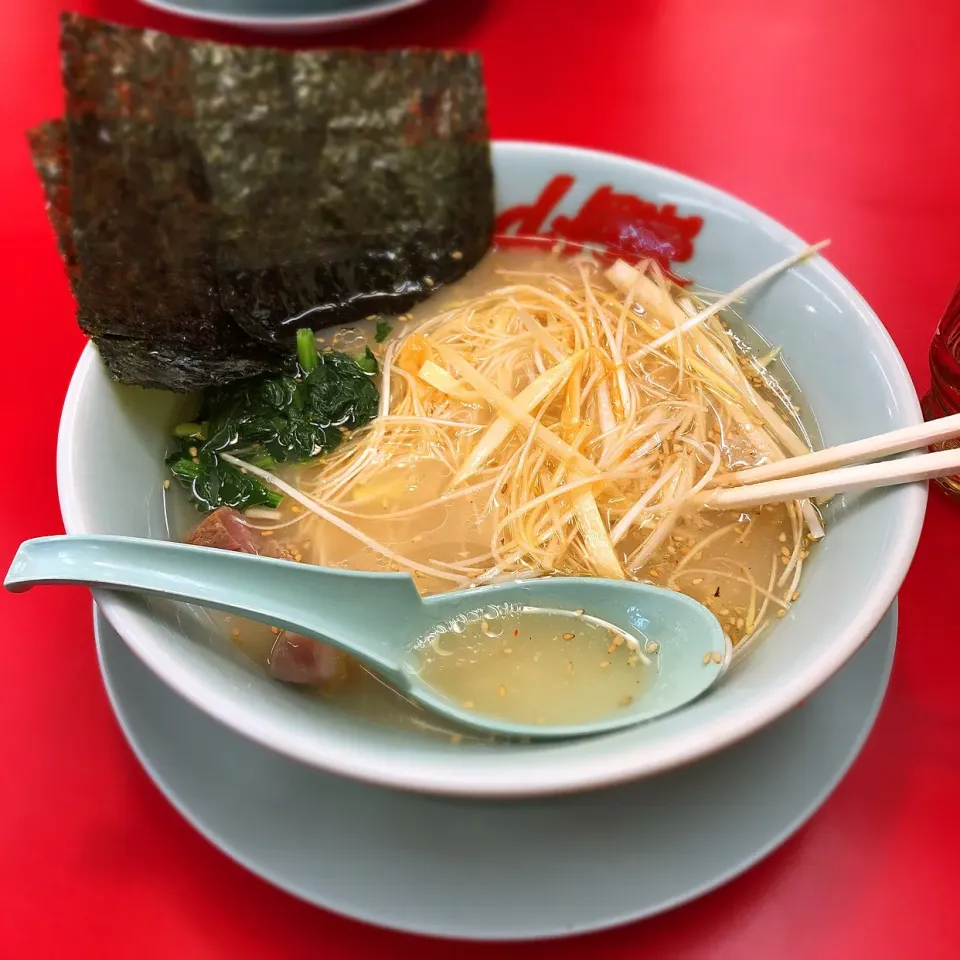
<point>943,397</point>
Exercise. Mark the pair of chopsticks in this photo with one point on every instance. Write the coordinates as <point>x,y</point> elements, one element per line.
<point>826,472</point>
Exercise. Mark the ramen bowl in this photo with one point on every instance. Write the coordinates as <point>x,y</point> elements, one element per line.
<point>113,441</point>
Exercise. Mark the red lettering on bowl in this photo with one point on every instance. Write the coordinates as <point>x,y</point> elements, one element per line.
<point>621,224</point>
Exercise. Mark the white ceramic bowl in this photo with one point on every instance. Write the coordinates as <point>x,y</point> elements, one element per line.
<point>112,442</point>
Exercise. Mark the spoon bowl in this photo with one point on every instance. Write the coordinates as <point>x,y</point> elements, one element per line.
<point>382,620</point>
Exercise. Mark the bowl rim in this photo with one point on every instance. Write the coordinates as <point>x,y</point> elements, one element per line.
<point>593,772</point>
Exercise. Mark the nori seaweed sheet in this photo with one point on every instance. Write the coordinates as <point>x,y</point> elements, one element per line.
<point>389,176</point>
<point>183,368</point>
<point>48,149</point>
<point>152,364</point>
<point>216,198</point>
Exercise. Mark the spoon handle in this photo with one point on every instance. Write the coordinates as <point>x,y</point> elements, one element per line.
<point>374,616</point>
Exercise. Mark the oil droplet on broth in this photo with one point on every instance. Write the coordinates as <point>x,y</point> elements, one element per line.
<point>536,666</point>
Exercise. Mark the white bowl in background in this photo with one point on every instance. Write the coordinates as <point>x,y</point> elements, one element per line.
<point>285,16</point>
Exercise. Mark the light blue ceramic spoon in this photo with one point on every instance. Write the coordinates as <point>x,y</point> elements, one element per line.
<point>379,617</point>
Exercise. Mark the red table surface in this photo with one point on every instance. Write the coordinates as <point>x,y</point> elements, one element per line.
<point>841,119</point>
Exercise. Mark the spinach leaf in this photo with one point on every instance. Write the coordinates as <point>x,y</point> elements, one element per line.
<point>215,484</point>
<point>273,419</point>
<point>383,331</point>
<point>368,362</point>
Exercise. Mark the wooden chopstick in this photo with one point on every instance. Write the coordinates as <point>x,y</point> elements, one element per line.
<point>870,448</point>
<point>842,480</point>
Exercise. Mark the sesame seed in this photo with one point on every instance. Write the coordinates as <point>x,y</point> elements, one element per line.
<point>626,701</point>
<point>275,631</point>
<point>568,636</point>
<point>508,649</point>
<point>724,612</point>
<point>781,613</point>
<point>618,641</point>
<point>717,657</point>
<point>468,704</point>
<point>306,544</point>
<point>418,538</point>
<point>428,281</point>
<point>740,622</point>
<point>652,647</point>
<point>501,691</point>
<point>193,451</point>
<point>655,574</point>
<point>785,551</point>
<point>579,612</point>
<point>266,533</point>
<point>456,737</point>
<point>604,664</point>
<point>296,508</point>
<point>697,581</point>
<point>235,633</point>
<point>456,255</point>
<point>783,538</point>
<point>706,658</point>
<point>166,484</point>
<point>569,668</point>
<point>796,596</point>
<point>612,648</point>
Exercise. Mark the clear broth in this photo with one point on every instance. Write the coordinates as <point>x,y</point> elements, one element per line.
<point>537,667</point>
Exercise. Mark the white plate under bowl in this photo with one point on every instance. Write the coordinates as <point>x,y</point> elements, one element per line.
<point>509,870</point>
<point>292,16</point>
